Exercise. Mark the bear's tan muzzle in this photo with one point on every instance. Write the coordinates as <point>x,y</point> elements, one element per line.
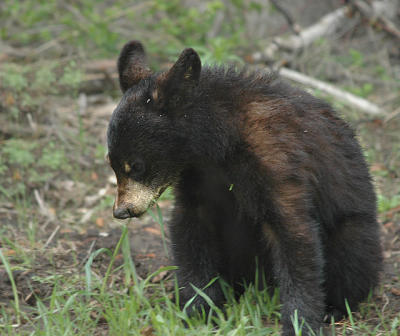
<point>133,198</point>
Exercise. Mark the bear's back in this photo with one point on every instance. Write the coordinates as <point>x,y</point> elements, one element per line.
<point>293,136</point>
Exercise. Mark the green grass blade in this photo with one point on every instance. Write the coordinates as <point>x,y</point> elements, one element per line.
<point>88,266</point>
<point>116,250</point>
<point>13,286</point>
<point>349,313</point>
<point>159,219</point>
<point>129,265</point>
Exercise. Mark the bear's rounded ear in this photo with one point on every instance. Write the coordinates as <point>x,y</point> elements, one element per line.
<point>185,72</point>
<point>132,65</point>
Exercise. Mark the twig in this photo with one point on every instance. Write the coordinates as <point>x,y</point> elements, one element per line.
<point>88,253</point>
<point>294,27</point>
<point>49,44</point>
<point>51,237</point>
<point>386,303</point>
<point>32,124</point>
<point>346,97</point>
<point>88,214</point>
<point>392,115</point>
<point>5,49</point>
<point>44,209</point>
<point>377,16</point>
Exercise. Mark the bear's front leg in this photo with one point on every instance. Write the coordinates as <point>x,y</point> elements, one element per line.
<point>298,261</point>
<point>298,268</point>
<point>197,255</point>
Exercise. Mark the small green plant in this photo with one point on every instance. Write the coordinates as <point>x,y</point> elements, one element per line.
<point>13,77</point>
<point>100,153</point>
<point>45,78</point>
<point>29,164</point>
<point>353,59</point>
<point>357,58</point>
<point>363,91</point>
<point>19,152</point>
<point>386,203</point>
<point>3,166</point>
<point>53,157</point>
<point>72,76</point>
<point>191,26</point>
<point>395,327</point>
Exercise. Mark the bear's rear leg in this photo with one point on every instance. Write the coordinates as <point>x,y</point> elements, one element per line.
<point>353,258</point>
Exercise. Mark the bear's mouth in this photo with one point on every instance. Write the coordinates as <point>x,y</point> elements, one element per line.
<point>133,199</point>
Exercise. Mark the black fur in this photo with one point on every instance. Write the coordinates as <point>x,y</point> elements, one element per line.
<point>261,171</point>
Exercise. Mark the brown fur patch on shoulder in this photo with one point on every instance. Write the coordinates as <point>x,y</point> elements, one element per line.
<point>270,129</point>
<point>260,125</point>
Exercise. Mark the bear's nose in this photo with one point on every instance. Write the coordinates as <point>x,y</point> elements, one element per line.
<point>121,212</point>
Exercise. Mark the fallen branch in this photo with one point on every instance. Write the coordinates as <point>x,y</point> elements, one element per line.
<point>7,50</point>
<point>376,13</point>
<point>344,96</point>
<point>99,74</point>
<point>327,25</point>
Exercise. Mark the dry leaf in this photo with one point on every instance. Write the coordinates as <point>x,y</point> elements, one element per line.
<point>147,255</point>
<point>100,222</point>
<point>147,331</point>
<point>9,253</point>
<point>9,99</point>
<point>160,276</point>
<point>153,231</point>
<point>17,175</point>
<point>395,291</point>
<point>377,167</point>
<point>387,254</point>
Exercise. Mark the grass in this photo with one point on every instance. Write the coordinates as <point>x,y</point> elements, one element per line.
<point>121,303</point>
<point>73,309</point>
<point>13,286</point>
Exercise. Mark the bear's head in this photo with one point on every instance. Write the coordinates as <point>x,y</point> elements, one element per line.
<point>146,137</point>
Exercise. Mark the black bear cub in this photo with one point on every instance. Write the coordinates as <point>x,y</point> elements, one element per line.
<point>263,174</point>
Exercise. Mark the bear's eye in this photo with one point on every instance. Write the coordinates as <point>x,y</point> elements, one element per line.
<point>137,168</point>
<point>148,100</point>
